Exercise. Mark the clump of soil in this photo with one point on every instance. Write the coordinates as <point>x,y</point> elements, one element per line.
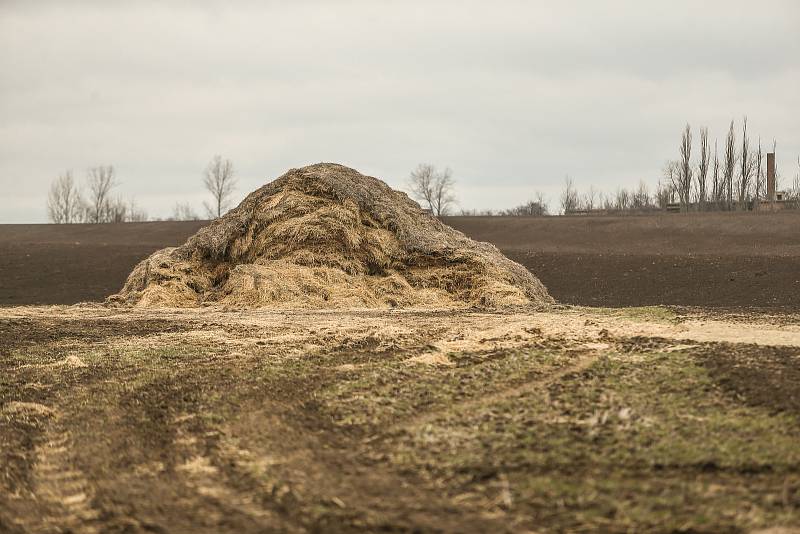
<point>327,236</point>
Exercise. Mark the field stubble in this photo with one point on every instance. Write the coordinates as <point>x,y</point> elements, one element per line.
<point>566,419</point>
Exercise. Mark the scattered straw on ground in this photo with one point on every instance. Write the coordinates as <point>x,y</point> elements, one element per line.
<point>326,236</point>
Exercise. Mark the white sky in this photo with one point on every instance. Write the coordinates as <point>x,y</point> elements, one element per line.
<point>512,96</point>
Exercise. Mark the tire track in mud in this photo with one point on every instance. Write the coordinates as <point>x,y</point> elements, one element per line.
<point>314,483</point>
<point>200,473</point>
<point>62,486</point>
<point>538,385</point>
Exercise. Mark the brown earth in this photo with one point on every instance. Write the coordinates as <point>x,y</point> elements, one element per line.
<point>714,259</point>
<point>69,263</point>
<point>570,420</point>
<point>721,259</point>
<point>655,419</point>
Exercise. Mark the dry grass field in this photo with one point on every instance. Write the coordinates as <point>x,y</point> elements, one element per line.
<point>554,419</point>
<point>570,419</point>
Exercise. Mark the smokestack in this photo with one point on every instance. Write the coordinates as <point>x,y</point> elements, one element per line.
<point>771,176</point>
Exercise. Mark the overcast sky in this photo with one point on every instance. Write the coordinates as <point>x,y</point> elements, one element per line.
<point>512,96</point>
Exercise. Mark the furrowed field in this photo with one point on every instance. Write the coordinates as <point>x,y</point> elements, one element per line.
<point>660,393</point>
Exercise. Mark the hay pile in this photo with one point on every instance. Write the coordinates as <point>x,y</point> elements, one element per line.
<point>326,236</point>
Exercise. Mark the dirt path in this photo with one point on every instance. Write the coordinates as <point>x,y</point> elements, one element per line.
<point>58,483</point>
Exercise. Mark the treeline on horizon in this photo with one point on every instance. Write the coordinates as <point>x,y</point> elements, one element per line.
<point>730,179</point>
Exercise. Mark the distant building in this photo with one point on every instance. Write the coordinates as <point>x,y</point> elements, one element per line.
<point>776,200</point>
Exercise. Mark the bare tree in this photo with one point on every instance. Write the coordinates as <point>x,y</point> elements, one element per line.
<point>641,196</point>
<point>532,208</point>
<point>540,199</point>
<point>759,175</point>
<point>434,188</point>
<point>590,198</point>
<point>665,193</point>
<point>746,168</point>
<point>777,171</point>
<point>443,192</point>
<point>683,179</point>
<point>135,213</point>
<point>622,199</point>
<point>569,196</point>
<point>64,203</point>
<point>717,189</point>
<point>729,166</point>
<point>702,174</point>
<point>220,181</point>
<point>116,211</point>
<point>100,181</point>
<point>184,212</point>
<point>607,201</point>
<point>796,186</point>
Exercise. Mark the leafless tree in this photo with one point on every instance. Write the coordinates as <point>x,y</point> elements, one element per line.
<point>777,172</point>
<point>622,199</point>
<point>99,181</point>
<point>184,212</point>
<point>746,168</point>
<point>64,203</point>
<point>532,208</point>
<point>716,186</point>
<point>796,186</point>
<point>793,190</point>
<point>729,165</point>
<point>641,197</point>
<point>671,173</point>
<point>683,179</point>
<point>702,174</point>
<point>569,197</point>
<point>220,181</point>
<point>607,201</point>
<point>540,199</point>
<point>665,193</point>
<point>135,213</point>
<point>590,198</point>
<point>759,175</point>
<point>433,188</point>
<point>116,211</point>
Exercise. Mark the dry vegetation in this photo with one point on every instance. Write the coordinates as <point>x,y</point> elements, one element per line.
<point>569,420</point>
<point>327,236</point>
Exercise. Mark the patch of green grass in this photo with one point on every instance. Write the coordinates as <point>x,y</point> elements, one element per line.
<point>637,440</point>
<point>383,392</point>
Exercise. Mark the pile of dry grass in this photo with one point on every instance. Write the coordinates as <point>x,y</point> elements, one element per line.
<point>328,236</point>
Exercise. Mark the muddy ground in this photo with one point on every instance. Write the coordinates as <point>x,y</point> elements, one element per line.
<point>711,259</point>
<point>562,420</point>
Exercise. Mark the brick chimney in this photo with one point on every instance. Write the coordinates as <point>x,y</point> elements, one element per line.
<point>770,176</point>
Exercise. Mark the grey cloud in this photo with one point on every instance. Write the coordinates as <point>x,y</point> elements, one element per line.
<point>511,95</point>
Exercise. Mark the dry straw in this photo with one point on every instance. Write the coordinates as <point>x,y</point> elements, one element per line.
<point>326,236</point>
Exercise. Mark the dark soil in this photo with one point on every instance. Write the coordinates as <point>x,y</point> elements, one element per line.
<point>713,259</point>
<point>617,280</point>
<point>17,333</point>
<point>717,260</point>
<point>66,264</point>
<point>767,377</point>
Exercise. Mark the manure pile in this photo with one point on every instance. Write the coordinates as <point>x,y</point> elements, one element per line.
<point>326,236</point>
